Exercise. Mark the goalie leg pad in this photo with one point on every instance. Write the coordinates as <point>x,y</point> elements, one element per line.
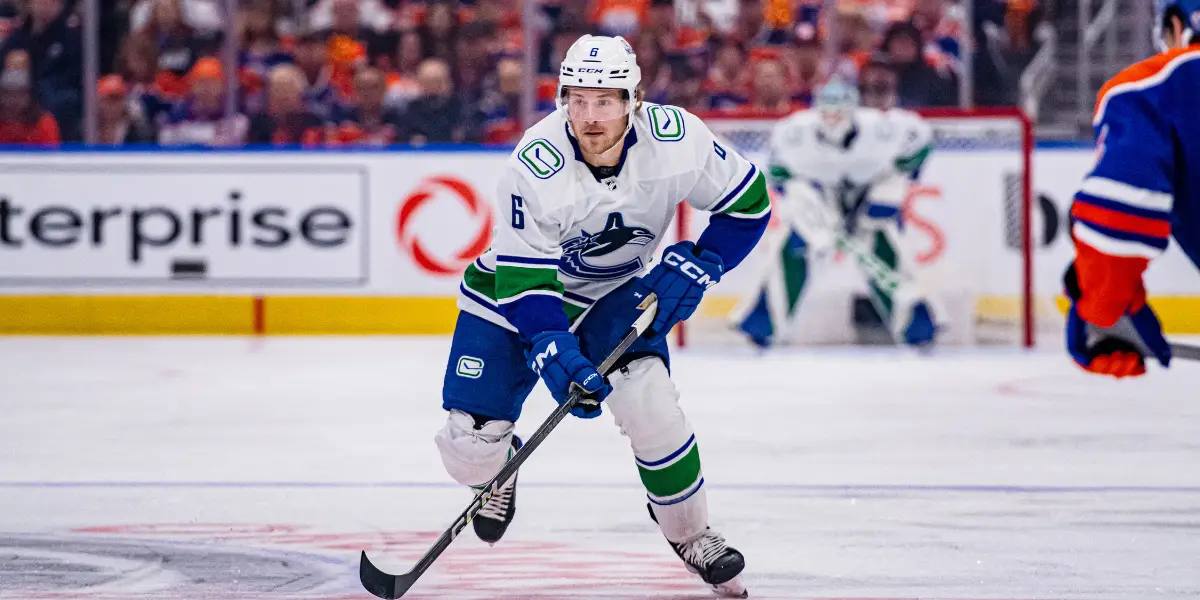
<point>764,315</point>
<point>645,405</point>
<point>473,452</point>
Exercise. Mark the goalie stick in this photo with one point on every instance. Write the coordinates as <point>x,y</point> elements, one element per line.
<point>384,585</point>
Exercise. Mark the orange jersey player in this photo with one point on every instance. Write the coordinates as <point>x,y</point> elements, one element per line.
<point>1143,190</point>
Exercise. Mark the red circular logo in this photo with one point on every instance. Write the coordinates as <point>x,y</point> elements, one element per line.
<point>435,188</point>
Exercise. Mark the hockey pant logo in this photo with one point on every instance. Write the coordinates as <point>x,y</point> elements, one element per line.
<point>689,268</point>
<point>470,367</point>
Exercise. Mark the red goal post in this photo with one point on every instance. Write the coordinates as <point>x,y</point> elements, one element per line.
<point>991,145</point>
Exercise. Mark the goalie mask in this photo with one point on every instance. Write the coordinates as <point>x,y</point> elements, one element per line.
<point>835,102</point>
<point>599,62</point>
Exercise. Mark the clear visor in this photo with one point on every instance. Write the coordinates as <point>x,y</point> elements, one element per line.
<point>594,107</point>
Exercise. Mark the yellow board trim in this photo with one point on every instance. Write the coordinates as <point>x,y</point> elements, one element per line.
<point>359,315</point>
<point>348,315</point>
<point>126,315</point>
<point>225,315</point>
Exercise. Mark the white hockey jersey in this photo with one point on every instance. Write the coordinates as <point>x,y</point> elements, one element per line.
<point>561,233</point>
<point>880,144</point>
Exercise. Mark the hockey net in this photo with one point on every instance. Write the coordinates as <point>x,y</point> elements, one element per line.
<point>967,222</point>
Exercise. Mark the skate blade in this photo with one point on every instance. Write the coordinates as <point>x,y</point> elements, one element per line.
<point>731,589</point>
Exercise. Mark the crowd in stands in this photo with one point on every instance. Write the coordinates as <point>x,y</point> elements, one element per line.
<point>320,73</point>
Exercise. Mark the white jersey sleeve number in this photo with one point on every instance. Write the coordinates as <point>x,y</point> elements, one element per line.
<point>724,175</point>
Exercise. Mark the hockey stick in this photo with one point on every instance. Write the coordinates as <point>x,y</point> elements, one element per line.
<point>389,586</point>
<point>1185,352</point>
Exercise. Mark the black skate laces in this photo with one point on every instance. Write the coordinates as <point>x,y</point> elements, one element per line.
<point>704,549</point>
<point>497,506</point>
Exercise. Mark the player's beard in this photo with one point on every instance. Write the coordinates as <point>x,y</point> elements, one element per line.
<point>601,136</point>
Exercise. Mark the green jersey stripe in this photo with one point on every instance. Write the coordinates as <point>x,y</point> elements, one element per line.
<point>483,284</point>
<point>753,201</point>
<point>512,281</point>
<point>911,163</point>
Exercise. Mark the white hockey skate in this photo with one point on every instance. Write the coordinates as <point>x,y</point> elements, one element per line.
<point>710,557</point>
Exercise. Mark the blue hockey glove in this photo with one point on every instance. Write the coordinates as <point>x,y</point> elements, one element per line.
<point>679,281</point>
<point>555,356</point>
<point>1119,351</point>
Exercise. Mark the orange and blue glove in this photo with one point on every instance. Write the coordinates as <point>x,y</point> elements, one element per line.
<point>1104,291</point>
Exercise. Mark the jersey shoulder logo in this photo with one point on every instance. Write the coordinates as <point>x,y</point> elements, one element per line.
<point>541,158</point>
<point>666,123</point>
<point>614,236</point>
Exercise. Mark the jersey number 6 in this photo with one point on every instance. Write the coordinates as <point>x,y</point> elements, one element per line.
<point>518,217</point>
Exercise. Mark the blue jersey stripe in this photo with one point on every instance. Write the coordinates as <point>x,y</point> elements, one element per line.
<point>1136,211</point>
<point>736,191</point>
<point>466,291</point>
<point>578,298</point>
<point>1153,242</point>
<point>525,260</point>
<point>670,457</point>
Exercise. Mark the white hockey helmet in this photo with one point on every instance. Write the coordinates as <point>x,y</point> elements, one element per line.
<point>596,61</point>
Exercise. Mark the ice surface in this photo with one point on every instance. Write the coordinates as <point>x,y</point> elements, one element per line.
<point>231,468</point>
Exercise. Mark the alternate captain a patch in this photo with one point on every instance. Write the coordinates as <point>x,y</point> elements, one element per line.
<point>585,257</point>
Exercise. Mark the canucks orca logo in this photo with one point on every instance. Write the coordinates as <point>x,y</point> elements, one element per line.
<point>616,235</point>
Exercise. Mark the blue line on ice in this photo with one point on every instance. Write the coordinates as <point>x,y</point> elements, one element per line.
<point>745,487</point>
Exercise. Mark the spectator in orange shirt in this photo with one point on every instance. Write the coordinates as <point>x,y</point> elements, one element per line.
<point>179,46</point>
<point>21,121</point>
<point>287,120</point>
<point>116,125</point>
<point>367,121</point>
<point>200,118</point>
<point>619,17</point>
<point>402,81</point>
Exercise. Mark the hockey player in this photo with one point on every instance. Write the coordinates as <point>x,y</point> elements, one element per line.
<point>586,200</point>
<point>841,173</point>
<point>1144,188</point>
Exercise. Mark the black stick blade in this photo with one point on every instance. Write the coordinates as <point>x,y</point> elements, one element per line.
<point>381,584</point>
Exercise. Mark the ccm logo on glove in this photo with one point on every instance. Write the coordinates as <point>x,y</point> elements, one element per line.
<point>690,269</point>
<point>539,361</point>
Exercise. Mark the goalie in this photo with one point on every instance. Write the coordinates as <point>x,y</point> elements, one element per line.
<point>841,173</point>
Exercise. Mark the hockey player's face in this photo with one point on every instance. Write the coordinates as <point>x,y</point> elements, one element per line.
<point>597,117</point>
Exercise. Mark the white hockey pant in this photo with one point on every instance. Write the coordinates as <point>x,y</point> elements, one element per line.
<point>645,405</point>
